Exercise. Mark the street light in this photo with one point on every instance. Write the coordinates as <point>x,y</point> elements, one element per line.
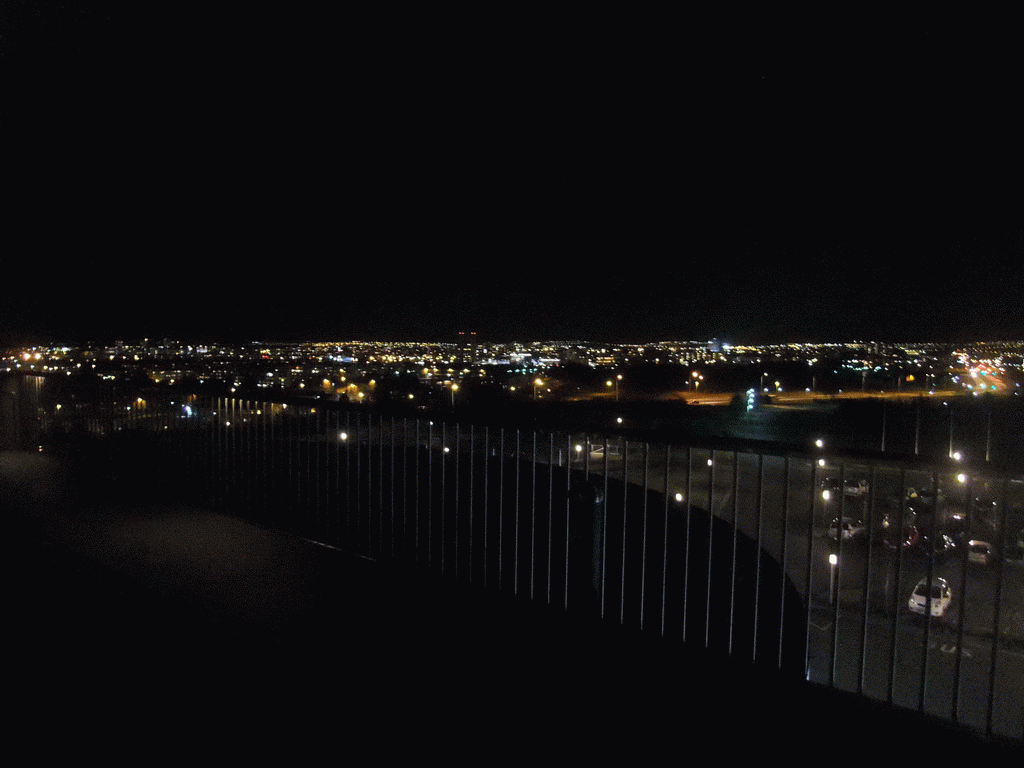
<point>833,559</point>
<point>536,383</point>
<point>615,383</point>
<point>454,388</point>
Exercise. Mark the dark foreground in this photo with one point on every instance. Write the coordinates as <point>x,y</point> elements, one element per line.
<point>139,631</point>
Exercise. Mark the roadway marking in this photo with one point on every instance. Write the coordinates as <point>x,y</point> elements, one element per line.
<point>950,648</point>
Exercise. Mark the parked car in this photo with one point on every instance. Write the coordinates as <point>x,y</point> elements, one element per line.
<point>982,505</point>
<point>925,501</point>
<point>833,485</point>
<point>955,524</point>
<point>852,528</point>
<point>940,547</point>
<point>938,597</point>
<point>980,552</point>
<point>911,536</point>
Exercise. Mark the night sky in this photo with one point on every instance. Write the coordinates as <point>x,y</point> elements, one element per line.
<point>280,175</point>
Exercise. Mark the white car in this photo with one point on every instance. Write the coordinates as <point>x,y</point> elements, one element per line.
<point>941,597</point>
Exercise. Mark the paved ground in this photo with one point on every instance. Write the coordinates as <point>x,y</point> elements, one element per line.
<point>140,631</point>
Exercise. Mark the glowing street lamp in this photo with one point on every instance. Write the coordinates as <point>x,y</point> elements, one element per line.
<point>615,383</point>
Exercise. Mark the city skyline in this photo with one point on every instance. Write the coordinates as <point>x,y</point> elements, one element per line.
<point>556,180</point>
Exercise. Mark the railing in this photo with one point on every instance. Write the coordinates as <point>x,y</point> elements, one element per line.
<point>732,549</point>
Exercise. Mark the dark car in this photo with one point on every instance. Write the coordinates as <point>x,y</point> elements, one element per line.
<point>892,539</point>
<point>955,525</point>
<point>832,487</point>
<point>984,506</point>
<point>852,528</point>
<point>981,552</point>
<point>923,502</point>
<point>940,547</point>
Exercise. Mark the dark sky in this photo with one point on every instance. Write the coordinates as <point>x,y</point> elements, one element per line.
<point>284,174</point>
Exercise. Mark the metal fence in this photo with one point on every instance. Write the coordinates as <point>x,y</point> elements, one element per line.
<point>810,563</point>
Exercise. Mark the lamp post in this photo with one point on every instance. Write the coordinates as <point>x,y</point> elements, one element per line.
<point>951,432</point>
<point>833,560</point>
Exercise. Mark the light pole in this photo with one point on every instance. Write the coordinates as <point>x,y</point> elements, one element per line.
<point>951,431</point>
<point>833,560</point>
<point>454,388</point>
<point>988,435</point>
